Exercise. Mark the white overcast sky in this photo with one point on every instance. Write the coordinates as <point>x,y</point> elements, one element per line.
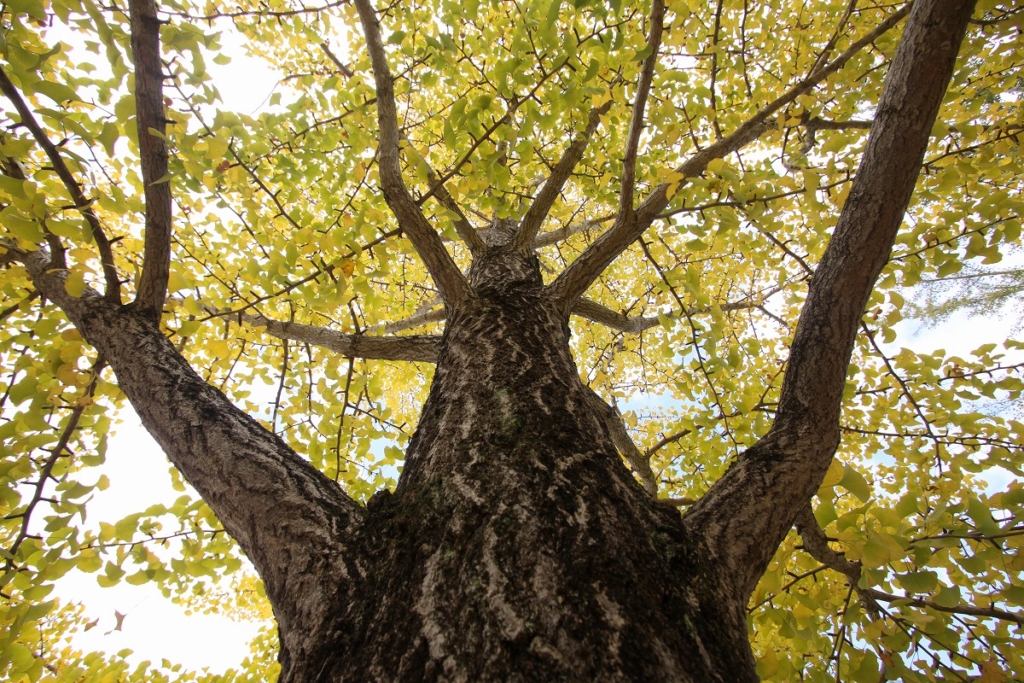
<point>155,628</point>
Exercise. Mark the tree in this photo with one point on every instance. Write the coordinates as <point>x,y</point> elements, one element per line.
<point>571,204</point>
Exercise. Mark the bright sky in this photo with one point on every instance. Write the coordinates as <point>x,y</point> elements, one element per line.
<point>155,628</point>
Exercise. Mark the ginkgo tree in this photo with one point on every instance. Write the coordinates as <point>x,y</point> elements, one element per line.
<point>396,331</point>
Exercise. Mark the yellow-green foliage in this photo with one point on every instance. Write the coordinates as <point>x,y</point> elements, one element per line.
<point>274,213</point>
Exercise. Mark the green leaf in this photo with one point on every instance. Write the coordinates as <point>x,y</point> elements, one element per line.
<point>58,92</point>
<point>855,483</point>
<point>108,137</point>
<point>919,582</point>
<point>13,187</point>
<point>948,596</point>
<point>875,553</point>
<point>33,8</point>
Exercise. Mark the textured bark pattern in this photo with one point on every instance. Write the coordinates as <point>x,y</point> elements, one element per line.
<point>517,546</point>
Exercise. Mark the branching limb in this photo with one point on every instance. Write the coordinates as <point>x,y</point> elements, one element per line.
<point>638,462</point>
<point>816,545</point>
<point>529,227</point>
<point>575,280</point>
<point>282,511</point>
<point>591,310</point>
<point>422,348</point>
<point>462,225</point>
<point>449,280</point>
<point>787,465</point>
<point>636,123</point>
<point>84,205</point>
<point>150,120</point>
<point>465,230</point>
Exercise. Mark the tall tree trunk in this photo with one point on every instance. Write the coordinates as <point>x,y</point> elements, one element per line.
<point>517,545</point>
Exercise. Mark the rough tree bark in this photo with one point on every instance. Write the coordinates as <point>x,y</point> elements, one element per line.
<point>517,546</point>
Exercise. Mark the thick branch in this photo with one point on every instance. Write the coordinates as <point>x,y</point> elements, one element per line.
<point>84,205</point>
<point>542,203</point>
<point>150,122</point>
<point>629,226</point>
<point>465,230</point>
<point>422,348</point>
<point>284,514</point>
<point>555,236</point>
<point>638,461</point>
<point>449,280</point>
<point>816,545</point>
<point>422,317</point>
<point>747,512</point>
<point>462,225</point>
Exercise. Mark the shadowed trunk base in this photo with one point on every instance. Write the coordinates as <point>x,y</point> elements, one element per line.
<point>517,546</point>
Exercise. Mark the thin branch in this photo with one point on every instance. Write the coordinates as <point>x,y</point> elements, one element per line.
<point>987,612</point>
<point>262,13</point>
<point>345,71</point>
<point>505,118</point>
<point>636,123</point>
<point>595,312</point>
<point>906,392</point>
<point>792,582</point>
<point>46,473</point>
<point>462,225</point>
<point>13,308</point>
<point>150,122</point>
<point>449,280</point>
<point>84,205</point>
<point>627,228</point>
<point>465,230</point>
<point>831,44</point>
<point>668,440</point>
<point>280,386</point>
